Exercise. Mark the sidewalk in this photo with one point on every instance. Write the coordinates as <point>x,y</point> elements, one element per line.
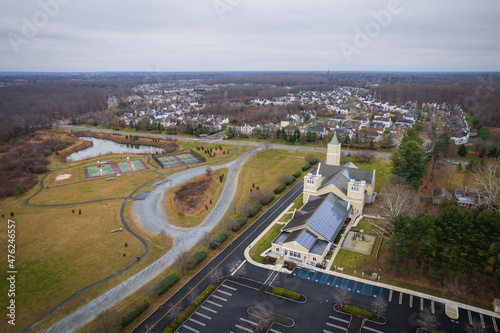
<point>354,222</point>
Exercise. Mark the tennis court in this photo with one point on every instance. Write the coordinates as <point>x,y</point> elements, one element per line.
<point>171,161</point>
<point>114,168</point>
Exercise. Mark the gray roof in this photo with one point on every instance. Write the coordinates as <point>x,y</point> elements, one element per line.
<point>281,238</point>
<point>441,193</point>
<point>340,175</point>
<point>319,247</point>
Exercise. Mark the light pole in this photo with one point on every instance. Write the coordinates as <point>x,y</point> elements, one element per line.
<point>454,322</point>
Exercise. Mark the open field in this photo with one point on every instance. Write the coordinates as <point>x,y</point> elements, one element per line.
<point>119,187</point>
<point>185,221</point>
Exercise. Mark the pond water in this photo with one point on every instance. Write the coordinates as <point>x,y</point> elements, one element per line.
<point>104,147</point>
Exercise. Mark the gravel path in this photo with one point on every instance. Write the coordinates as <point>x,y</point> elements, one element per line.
<point>154,220</point>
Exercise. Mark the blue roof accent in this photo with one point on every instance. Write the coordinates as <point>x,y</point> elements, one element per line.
<point>306,239</point>
<point>348,175</point>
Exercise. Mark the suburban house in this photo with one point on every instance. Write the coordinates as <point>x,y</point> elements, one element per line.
<point>308,236</point>
<point>376,126</point>
<point>246,129</point>
<point>440,195</point>
<point>468,197</point>
<point>349,183</point>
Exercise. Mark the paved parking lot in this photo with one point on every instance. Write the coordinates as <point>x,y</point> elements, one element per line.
<point>403,308</point>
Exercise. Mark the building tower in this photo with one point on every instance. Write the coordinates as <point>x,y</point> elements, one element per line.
<point>333,152</point>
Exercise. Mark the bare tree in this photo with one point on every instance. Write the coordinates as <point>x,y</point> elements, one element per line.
<point>182,261</point>
<point>206,240</point>
<point>379,306</point>
<point>488,178</point>
<point>342,297</point>
<point>399,199</point>
<point>476,327</point>
<point>192,296</point>
<point>209,171</point>
<point>164,237</point>
<point>216,274</point>
<point>106,320</point>
<point>174,311</point>
<point>381,228</point>
<point>263,196</point>
<point>428,320</point>
<point>285,179</point>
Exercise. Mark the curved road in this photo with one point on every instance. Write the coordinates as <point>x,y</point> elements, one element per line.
<point>149,211</point>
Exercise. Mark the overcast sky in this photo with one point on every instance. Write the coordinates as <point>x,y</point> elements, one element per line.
<point>250,35</point>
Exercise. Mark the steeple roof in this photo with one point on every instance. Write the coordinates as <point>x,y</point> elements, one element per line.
<point>335,141</point>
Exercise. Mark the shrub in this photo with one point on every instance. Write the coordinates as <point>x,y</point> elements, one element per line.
<point>254,211</point>
<point>286,179</point>
<point>357,311</point>
<point>165,284</point>
<point>279,189</point>
<point>217,241</point>
<point>311,159</point>
<point>269,261</point>
<point>196,259</point>
<point>286,293</point>
<point>134,313</point>
<point>306,167</point>
<point>296,174</point>
<point>238,224</point>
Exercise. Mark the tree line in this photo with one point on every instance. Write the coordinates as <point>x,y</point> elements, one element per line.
<point>456,245</point>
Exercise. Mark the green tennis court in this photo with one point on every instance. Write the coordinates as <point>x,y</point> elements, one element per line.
<point>168,160</point>
<point>114,168</point>
<point>131,166</point>
<point>104,170</point>
<point>188,158</point>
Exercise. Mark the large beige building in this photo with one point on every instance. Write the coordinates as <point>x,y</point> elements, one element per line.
<point>351,184</point>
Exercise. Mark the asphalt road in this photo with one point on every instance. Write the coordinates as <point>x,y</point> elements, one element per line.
<point>229,259</point>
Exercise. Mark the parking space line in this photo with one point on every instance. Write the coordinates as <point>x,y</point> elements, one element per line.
<point>372,329</point>
<point>244,261</point>
<point>401,298</point>
<point>244,328</point>
<point>390,295</point>
<point>470,317</point>
<point>228,287</point>
<point>421,304</point>
<point>333,282</point>
<point>197,322</point>
<point>335,318</point>
<point>355,284</point>
<point>482,320</point>
<point>344,283</point>
<point>325,331</point>
<point>380,293</point>
<point>433,310</point>
<point>218,297</point>
<point>274,331</point>
<point>315,273</point>
<point>324,278</point>
<point>270,275</point>
<point>339,327</point>
<point>216,304</point>
<point>249,321</point>
<point>494,324</point>
<point>411,301</point>
<point>224,292</point>
<point>202,315</point>
<point>190,328</point>
<point>208,309</point>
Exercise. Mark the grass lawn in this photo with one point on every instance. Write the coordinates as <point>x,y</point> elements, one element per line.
<point>93,190</point>
<point>265,242</point>
<point>193,221</point>
<point>382,167</point>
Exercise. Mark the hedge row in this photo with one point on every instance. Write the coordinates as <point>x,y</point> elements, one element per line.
<point>134,313</point>
<point>267,199</point>
<point>217,241</point>
<point>196,259</point>
<point>296,174</point>
<point>313,161</point>
<point>286,293</point>
<point>254,211</point>
<point>357,311</point>
<point>279,189</point>
<point>306,167</point>
<point>239,223</point>
<point>165,284</point>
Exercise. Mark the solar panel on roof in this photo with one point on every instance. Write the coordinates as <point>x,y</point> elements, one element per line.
<point>306,239</point>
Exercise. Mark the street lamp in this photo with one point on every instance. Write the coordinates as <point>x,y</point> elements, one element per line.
<point>454,322</point>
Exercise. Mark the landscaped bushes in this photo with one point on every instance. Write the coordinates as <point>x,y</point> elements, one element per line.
<point>217,241</point>
<point>306,167</point>
<point>267,199</point>
<point>239,223</point>
<point>134,313</point>
<point>166,283</point>
<point>254,211</point>
<point>279,189</point>
<point>196,259</point>
<point>286,293</point>
<point>269,261</point>
<point>296,174</point>
<point>357,311</point>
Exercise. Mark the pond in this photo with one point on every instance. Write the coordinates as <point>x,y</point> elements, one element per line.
<point>105,147</point>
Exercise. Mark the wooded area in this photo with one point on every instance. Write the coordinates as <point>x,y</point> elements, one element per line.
<point>460,248</point>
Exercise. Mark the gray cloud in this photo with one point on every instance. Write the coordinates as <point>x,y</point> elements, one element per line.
<point>194,35</point>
